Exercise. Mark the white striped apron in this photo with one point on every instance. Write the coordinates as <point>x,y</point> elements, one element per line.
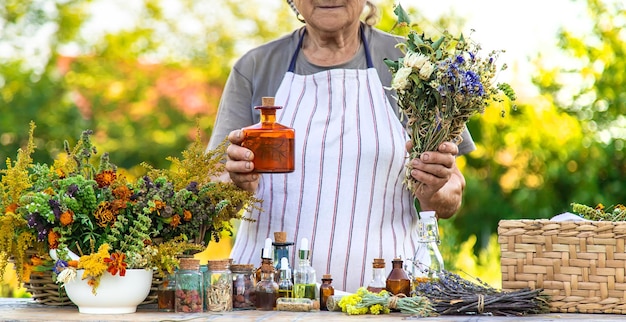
<point>346,195</point>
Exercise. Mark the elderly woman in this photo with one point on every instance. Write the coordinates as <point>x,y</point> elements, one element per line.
<point>346,195</point>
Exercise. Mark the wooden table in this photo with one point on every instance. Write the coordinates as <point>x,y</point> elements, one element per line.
<point>27,310</point>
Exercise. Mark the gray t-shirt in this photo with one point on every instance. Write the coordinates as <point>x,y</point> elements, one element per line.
<point>259,72</point>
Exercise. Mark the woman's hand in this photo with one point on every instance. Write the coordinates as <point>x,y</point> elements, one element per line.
<point>442,182</point>
<point>239,163</point>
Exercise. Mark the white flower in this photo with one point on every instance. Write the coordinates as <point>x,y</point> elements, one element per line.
<point>401,78</point>
<point>426,70</point>
<point>415,60</point>
<point>66,275</point>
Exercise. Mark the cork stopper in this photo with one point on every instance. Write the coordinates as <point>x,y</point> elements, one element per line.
<point>267,101</point>
<point>379,263</point>
<point>280,237</point>
<point>327,277</point>
<point>218,264</point>
<point>241,268</point>
<point>189,263</point>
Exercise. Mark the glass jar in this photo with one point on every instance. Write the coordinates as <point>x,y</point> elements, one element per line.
<point>378,282</point>
<point>282,248</point>
<point>243,286</point>
<point>218,286</point>
<point>189,287</point>
<point>398,281</point>
<point>273,144</point>
<point>427,262</point>
<point>165,293</point>
<point>326,290</point>
<point>266,290</point>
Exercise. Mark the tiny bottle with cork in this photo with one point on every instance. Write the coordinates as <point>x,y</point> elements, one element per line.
<point>285,285</point>
<point>326,290</point>
<point>398,281</point>
<point>165,293</point>
<point>272,143</point>
<point>379,276</point>
<point>282,248</point>
<point>304,279</point>
<point>266,290</point>
<point>427,262</point>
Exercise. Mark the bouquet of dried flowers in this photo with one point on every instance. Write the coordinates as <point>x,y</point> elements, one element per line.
<point>366,302</point>
<point>600,212</point>
<point>77,215</point>
<point>440,84</point>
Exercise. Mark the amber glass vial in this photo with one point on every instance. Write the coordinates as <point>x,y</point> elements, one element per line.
<point>272,143</point>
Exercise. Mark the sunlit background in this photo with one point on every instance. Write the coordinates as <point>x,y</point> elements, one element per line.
<point>144,74</point>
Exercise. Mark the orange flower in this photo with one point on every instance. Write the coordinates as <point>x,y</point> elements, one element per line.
<point>53,239</point>
<point>10,208</point>
<point>116,264</point>
<point>600,207</point>
<point>175,221</point>
<point>60,173</point>
<point>158,204</point>
<point>36,260</point>
<point>122,192</point>
<point>186,215</point>
<point>104,214</point>
<point>67,218</point>
<point>72,263</point>
<point>105,178</point>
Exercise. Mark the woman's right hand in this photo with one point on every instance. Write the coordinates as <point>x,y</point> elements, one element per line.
<point>239,163</point>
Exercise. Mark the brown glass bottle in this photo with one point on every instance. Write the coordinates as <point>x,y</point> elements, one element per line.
<point>272,143</point>
<point>326,290</point>
<point>266,291</point>
<point>398,281</point>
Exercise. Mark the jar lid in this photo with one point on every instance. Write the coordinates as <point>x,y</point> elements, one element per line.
<point>379,263</point>
<point>218,264</point>
<point>189,263</point>
<point>241,268</point>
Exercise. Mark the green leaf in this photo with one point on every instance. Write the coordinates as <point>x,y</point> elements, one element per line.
<point>403,17</point>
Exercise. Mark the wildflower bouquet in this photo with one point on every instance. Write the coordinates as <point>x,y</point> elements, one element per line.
<point>440,84</point>
<point>366,302</point>
<point>76,215</point>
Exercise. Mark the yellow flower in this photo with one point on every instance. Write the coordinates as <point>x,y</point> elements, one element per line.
<point>94,266</point>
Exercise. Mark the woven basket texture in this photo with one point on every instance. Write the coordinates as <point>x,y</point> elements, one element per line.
<point>45,291</point>
<point>580,265</point>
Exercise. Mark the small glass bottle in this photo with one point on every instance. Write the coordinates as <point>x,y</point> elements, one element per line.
<point>266,290</point>
<point>266,255</point>
<point>243,286</point>
<point>398,281</point>
<point>296,305</point>
<point>165,293</point>
<point>272,143</point>
<point>326,290</point>
<point>189,286</point>
<point>285,285</point>
<point>282,248</point>
<point>379,276</point>
<point>428,262</point>
<point>218,287</point>
<point>304,280</point>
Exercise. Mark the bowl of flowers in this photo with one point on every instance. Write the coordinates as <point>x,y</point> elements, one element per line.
<point>84,221</point>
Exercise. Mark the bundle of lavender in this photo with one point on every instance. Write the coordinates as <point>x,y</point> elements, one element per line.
<point>451,294</point>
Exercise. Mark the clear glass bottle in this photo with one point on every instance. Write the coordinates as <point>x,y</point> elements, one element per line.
<point>285,285</point>
<point>398,281</point>
<point>165,293</point>
<point>282,248</point>
<point>326,290</point>
<point>272,143</point>
<point>379,276</point>
<point>304,279</point>
<point>266,290</point>
<point>427,262</point>
<point>189,287</point>
<point>218,286</point>
<point>244,284</point>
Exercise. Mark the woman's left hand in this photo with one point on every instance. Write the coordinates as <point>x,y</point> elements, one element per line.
<point>442,182</point>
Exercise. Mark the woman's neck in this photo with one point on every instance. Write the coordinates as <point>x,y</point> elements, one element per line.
<point>329,49</point>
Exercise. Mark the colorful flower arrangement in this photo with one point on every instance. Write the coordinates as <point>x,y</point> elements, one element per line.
<point>76,215</point>
<point>440,85</point>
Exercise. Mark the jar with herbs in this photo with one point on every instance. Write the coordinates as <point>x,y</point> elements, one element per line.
<point>243,286</point>
<point>189,287</point>
<point>218,286</point>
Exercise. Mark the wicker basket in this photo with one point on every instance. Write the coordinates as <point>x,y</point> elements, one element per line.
<point>581,264</point>
<point>45,291</point>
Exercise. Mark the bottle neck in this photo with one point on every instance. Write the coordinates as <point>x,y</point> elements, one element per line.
<point>379,274</point>
<point>268,115</point>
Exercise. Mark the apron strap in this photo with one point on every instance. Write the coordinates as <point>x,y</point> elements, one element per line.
<point>368,58</point>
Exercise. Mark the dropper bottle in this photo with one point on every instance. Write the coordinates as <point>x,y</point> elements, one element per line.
<point>285,286</point>
<point>304,285</point>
